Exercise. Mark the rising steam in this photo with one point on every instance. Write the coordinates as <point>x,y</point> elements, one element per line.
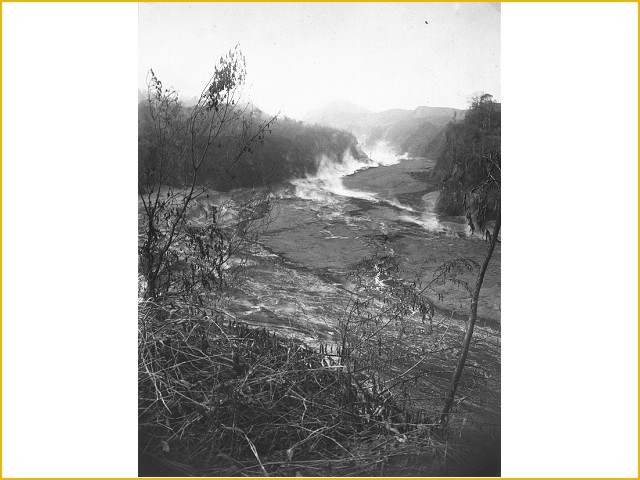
<point>331,171</point>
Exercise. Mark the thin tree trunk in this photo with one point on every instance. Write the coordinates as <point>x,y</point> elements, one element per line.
<point>473,315</point>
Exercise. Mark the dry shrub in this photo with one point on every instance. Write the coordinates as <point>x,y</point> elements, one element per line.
<point>219,398</point>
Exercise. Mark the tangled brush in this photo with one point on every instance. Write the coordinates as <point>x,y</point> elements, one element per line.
<point>217,398</point>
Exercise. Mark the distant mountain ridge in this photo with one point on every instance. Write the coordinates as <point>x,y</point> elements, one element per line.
<point>411,131</point>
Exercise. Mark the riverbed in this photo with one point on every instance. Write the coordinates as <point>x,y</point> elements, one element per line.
<point>375,220</point>
<point>326,225</point>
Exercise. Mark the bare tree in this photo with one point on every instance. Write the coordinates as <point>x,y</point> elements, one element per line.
<point>478,204</point>
<point>473,315</point>
<point>186,239</point>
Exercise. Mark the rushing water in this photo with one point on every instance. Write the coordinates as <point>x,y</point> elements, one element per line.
<point>327,188</point>
<point>329,222</point>
<point>327,184</point>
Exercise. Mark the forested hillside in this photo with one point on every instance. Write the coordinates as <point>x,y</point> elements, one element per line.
<point>470,156</point>
<point>288,149</point>
<point>291,151</point>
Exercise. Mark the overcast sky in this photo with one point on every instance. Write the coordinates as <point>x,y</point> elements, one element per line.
<point>301,55</point>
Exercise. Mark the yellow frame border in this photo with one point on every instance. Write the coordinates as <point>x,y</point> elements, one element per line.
<point>268,1</point>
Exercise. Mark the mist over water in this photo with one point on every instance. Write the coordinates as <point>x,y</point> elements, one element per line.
<point>331,171</point>
<point>428,219</point>
<point>383,155</point>
<point>326,223</point>
<point>328,180</point>
<point>326,190</point>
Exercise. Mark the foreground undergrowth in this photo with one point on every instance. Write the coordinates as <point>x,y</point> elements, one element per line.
<point>217,398</point>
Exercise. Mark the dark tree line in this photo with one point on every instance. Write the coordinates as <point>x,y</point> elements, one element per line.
<point>470,158</point>
<point>288,150</point>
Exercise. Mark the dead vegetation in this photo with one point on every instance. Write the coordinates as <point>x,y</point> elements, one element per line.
<point>217,398</point>
<point>220,398</point>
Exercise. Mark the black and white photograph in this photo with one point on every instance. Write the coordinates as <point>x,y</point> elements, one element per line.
<point>272,239</point>
<point>319,239</point>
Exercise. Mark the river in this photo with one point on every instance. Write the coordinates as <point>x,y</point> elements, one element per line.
<point>326,224</point>
<point>360,216</point>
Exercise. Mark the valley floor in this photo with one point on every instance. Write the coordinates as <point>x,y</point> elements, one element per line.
<point>330,233</point>
<point>300,284</point>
